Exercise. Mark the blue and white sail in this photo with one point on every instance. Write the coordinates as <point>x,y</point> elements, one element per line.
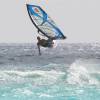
<point>44,23</point>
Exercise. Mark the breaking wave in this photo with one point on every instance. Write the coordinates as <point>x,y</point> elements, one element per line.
<point>77,73</point>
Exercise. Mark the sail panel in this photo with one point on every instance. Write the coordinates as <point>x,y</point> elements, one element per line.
<point>44,23</point>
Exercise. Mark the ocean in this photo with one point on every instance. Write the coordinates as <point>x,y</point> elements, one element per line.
<point>69,71</point>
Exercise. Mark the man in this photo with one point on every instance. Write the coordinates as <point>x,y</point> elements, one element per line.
<point>44,43</point>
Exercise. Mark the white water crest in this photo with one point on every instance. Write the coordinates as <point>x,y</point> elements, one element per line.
<point>80,74</point>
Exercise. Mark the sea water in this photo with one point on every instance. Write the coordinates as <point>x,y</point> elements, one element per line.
<point>66,72</point>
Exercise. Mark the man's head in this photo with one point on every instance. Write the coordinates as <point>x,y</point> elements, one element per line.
<point>38,38</point>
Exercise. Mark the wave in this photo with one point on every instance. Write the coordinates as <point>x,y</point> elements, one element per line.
<point>36,77</point>
<point>78,73</point>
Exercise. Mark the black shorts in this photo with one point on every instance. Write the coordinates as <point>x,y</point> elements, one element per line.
<point>45,45</point>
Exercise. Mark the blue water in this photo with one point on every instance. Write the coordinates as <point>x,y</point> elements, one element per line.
<point>67,72</point>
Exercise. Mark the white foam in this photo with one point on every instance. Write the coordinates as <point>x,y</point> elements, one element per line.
<point>78,74</point>
<point>45,95</point>
<point>37,77</point>
<point>23,91</point>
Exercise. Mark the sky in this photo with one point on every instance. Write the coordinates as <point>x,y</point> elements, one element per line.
<point>79,20</point>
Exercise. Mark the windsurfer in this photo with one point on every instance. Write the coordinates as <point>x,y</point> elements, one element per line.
<point>44,43</point>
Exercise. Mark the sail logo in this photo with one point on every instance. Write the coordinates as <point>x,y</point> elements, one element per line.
<point>36,10</point>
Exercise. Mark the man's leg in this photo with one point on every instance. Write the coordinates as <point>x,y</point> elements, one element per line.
<point>39,49</point>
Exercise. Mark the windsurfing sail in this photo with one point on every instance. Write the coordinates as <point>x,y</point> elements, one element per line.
<point>44,23</point>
